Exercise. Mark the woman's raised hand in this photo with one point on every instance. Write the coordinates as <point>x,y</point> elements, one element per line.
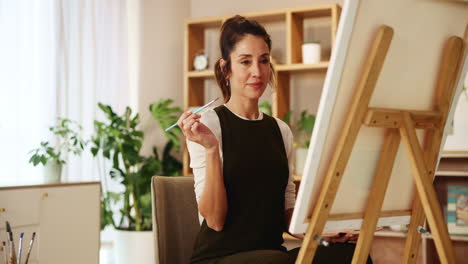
<point>196,131</point>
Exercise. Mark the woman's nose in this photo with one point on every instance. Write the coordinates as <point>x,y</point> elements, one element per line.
<point>255,69</point>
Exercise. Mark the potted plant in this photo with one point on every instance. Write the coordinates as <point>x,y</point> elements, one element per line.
<point>69,141</point>
<point>118,141</point>
<point>305,126</point>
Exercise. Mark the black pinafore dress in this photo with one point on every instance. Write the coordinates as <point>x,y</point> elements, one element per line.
<point>255,171</point>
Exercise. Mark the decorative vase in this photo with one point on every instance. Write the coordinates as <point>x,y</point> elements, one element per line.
<point>301,155</point>
<point>311,53</point>
<point>134,247</point>
<point>52,172</point>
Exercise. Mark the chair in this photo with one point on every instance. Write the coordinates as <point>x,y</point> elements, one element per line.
<point>175,219</point>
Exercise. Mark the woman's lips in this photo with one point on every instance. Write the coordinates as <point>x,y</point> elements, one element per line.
<point>256,85</point>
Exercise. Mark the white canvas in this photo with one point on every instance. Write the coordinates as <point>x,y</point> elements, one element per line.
<point>407,81</point>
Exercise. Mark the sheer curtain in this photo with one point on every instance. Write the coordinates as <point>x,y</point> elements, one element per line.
<point>58,58</point>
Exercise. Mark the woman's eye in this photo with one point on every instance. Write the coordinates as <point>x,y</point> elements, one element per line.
<point>245,62</point>
<point>265,61</point>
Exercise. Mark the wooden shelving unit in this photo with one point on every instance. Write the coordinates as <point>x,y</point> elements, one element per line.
<point>293,19</point>
<point>452,170</point>
<point>302,67</point>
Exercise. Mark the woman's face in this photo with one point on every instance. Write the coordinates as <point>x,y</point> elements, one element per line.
<point>250,68</point>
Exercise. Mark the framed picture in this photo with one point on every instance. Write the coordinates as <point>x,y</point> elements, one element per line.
<point>457,210</point>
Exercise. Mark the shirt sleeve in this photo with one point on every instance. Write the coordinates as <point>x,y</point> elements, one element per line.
<point>290,194</point>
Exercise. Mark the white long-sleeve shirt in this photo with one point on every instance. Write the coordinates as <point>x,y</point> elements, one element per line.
<point>198,155</point>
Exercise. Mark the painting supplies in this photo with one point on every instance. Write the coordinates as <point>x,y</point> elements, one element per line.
<point>12,258</point>
<point>5,253</point>
<point>7,246</point>
<point>194,112</point>
<point>20,247</point>
<point>30,247</point>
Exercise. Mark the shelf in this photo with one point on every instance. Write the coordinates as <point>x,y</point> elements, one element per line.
<point>201,74</point>
<point>279,68</point>
<point>314,12</point>
<point>452,237</point>
<point>455,154</point>
<point>301,67</point>
<point>452,173</point>
<point>298,177</point>
<point>205,22</point>
<point>388,233</point>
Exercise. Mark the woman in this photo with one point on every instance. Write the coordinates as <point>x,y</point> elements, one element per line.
<point>241,160</point>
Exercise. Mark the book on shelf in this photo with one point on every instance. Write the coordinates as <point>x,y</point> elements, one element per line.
<point>457,210</point>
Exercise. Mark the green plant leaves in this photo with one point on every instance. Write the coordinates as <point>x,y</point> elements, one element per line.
<point>265,107</point>
<point>287,117</point>
<point>69,140</point>
<point>118,140</point>
<point>166,116</point>
<point>306,121</point>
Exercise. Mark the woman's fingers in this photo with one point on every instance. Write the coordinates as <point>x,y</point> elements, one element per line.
<point>182,118</point>
<point>185,118</point>
<point>194,127</point>
<point>188,123</point>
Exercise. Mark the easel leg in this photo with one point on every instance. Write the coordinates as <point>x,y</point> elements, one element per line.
<point>450,68</point>
<point>426,192</point>
<point>377,196</point>
<point>417,215</point>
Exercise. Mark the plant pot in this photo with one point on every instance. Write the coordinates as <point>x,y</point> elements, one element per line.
<point>311,53</point>
<point>134,247</point>
<point>52,172</point>
<point>301,155</point>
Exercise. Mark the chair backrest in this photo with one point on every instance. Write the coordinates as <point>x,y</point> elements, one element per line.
<point>175,219</point>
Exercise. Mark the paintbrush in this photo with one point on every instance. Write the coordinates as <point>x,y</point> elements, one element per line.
<point>5,252</point>
<point>30,247</point>
<point>20,247</point>
<point>12,259</point>
<point>12,244</point>
<point>7,245</point>
<point>194,112</point>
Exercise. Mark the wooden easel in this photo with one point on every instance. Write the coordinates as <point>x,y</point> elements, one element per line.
<point>400,124</point>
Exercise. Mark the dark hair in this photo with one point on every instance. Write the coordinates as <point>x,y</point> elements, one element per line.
<point>232,31</point>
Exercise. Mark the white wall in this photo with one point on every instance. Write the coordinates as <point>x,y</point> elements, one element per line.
<point>156,41</point>
<point>202,8</point>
